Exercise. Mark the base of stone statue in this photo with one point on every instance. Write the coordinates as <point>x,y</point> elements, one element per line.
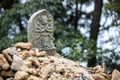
<point>49,52</point>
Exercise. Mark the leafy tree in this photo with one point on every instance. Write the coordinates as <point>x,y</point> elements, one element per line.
<point>112,8</point>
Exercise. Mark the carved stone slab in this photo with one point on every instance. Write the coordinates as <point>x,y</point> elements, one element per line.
<point>40,31</point>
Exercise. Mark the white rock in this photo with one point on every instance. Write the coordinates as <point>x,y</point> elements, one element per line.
<point>21,75</point>
<point>18,62</point>
<point>31,77</point>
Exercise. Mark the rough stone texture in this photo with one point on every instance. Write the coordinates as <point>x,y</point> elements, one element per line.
<point>10,51</point>
<point>8,57</point>
<point>23,45</point>
<point>31,77</point>
<point>115,75</point>
<point>47,70</point>
<point>25,54</point>
<point>40,31</point>
<point>41,54</point>
<point>3,63</point>
<point>17,63</point>
<point>33,64</point>
<point>101,73</point>
<point>7,73</point>
<point>21,75</point>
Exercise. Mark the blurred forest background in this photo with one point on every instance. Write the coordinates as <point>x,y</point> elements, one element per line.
<point>85,30</point>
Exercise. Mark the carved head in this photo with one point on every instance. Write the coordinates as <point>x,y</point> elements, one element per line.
<point>44,19</point>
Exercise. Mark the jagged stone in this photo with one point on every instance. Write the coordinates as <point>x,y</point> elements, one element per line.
<point>8,57</point>
<point>11,51</point>
<point>99,68</point>
<point>32,71</point>
<point>34,61</point>
<point>47,70</point>
<point>21,75</point>
<point>23,45</point>
<point>7,73</point>
<point>101,73</point>
<point>115,75</point>
<point>99,77</point>
<point>17,63</point>
<point>3,63</point>
<point>48,67</point>
<point>25,54</point>
<point>41,54</point>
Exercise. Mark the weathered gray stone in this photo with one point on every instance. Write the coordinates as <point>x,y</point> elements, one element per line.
<point>40,31</point>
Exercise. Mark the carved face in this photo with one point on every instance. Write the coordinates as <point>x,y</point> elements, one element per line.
<point>44,19</point>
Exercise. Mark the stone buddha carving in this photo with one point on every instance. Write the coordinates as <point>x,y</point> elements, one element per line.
<point>41,30</point>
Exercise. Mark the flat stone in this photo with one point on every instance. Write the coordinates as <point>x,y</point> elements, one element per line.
<point>21,75</point>
<point>17,63</point>
<point>23,45</point>
<point>31,77</point>
<point>3,63</point>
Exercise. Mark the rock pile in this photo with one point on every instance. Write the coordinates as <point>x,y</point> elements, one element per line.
<point>21,62</point>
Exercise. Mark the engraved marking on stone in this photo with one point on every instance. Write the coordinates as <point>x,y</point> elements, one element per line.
<point>41,30</point>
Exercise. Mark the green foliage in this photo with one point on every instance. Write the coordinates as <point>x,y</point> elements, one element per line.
<point>113,6</point>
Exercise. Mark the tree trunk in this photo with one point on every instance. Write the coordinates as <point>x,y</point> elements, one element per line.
<point>95,29</point>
